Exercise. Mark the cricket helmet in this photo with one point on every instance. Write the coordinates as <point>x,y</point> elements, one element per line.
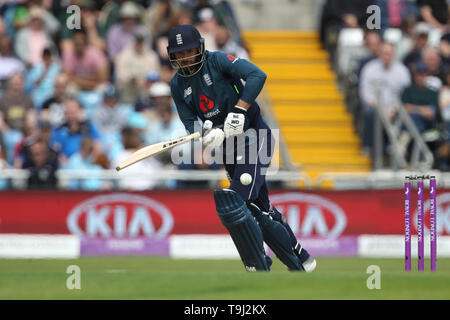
<point>182,38</point>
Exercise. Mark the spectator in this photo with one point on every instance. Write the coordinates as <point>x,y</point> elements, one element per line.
<point>31,41</point>
<point>144,101</point>
<point>338,14</point>
<point>85,160</point>
<point>121,34</point>
<point>406,43</point>
<point>227,18</point>
<point>392,12</point>
<point>52,108</point>
<point>207,25</point>
<point>66,139</point>
<point>435,13</point>
<point>89,23</point>
<point>132,142</point>
<point>110,118</point>
<point>420,102</point>
<point>158,95</point>
<point>108,15</point>
<point>420,40</point>
<point>226,44</point>
<point>85,65</point>
<point>40,79</point>
<point>42,167</point>
<point>444,50</point>
<point>180,17</point>
<point>9,64</point>
<point>443,151</point>
<point>33,134</point>
<point>430,56</point>
<point>372,42</point>
<point>132,65</point>
<point>166,124</point>
<point>16,109</point>
<point>166,71</point>
<point>382,82</point>
<point>158,18</point>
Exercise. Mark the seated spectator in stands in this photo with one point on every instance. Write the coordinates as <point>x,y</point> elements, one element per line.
<point>444,51</point>
<point>122,34</point>
<point>207,25</point>
<point>53,109</point>
<point>158,95</point>
<point>166,125</point>
<point>42,167</point>
<point>16,108</point>
<point>95,34</point>
<point>84,160</point>
<point>40,79</point>
<point>372,42</point>
<point>132,65</point>
<point>158,18</point>
<point>430,56</point>
<point>420,102</point>
<point>9,64</point>
<point>338,14</point>
<point>31,41</point>
<point>108,15</point>
<point>33,133</point>
<point>66,139</point>
<point>381,84</point>
<point>144,101</point>
<point>435,13</point>
<point>226,17</point>
<point>181,16</point>
<point>443,152</point>
<point>132,181</point>
<point>227,45</point>
<point>110,118</point>
<point>85,65</point>
<point>392,12</point>
<point>166,71</point>
<point>420,40</point>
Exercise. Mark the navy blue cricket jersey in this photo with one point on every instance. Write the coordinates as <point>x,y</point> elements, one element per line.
<point>212,92</point>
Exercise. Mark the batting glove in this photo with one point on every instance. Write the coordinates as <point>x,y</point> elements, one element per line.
<point>236,122</point>
<point>212,137</point>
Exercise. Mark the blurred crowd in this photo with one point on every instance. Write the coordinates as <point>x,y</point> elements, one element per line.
<point>404,61</point>
<point>84,83</point>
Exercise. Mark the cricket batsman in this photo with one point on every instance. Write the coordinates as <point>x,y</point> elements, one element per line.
<point>210,86</point>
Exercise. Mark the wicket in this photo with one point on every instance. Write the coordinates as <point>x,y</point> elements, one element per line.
<point>409,180</point>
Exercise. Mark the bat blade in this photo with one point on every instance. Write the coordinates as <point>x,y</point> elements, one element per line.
<point>155,149</point>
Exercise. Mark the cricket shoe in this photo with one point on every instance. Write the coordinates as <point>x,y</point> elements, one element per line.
<point>310,264</point>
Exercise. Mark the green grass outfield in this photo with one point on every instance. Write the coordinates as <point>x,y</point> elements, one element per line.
<point>164,278</point>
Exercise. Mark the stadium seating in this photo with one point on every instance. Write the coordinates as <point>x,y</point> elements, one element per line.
<point>306,101</point>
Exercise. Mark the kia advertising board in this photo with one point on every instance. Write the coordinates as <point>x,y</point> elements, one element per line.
<point>159,214</point>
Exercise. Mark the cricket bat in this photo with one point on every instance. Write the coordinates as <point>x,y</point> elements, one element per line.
<point>155,149</point>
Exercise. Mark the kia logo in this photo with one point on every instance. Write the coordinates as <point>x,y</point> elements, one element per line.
<point>310,214</point>
<point>120,214</point>
<point>442,214</point>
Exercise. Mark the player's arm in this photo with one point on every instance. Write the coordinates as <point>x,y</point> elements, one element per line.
<point>242,69</point>
<point>186,114</point>
<point>237,120</point>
